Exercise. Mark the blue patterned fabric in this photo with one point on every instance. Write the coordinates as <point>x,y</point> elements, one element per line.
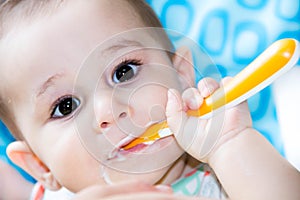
<point>233,33</point>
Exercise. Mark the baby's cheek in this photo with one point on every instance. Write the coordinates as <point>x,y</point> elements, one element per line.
<point>150,99</point>
<point>73,166</point>
<point>157,112</point>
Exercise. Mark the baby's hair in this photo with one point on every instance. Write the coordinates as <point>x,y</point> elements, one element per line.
<point>13,12</point>
<point>20,10</point>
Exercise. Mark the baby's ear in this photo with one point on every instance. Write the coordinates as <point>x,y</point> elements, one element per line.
<point>21,155</point>
<point>183,63</point>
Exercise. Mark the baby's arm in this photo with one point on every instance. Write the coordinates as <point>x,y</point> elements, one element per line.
<point>250,168</point>
<point>244,161</point>
<point>131,190</point>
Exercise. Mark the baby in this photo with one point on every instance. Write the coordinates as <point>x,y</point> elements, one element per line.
<point>73,118</point>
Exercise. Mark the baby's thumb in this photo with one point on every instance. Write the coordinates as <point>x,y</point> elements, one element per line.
<point>175,113</point>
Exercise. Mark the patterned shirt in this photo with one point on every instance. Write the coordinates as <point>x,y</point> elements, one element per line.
<point>200,182</point>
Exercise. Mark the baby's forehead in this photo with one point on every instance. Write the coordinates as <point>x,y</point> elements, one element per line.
<point>36,38</point>
<point>76,22</point>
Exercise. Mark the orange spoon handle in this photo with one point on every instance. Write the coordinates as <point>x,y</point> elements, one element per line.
<point>273,62</point>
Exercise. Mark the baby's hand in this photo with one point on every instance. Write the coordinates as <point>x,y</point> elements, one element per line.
<point>131,190</point>
<point>202,137</point>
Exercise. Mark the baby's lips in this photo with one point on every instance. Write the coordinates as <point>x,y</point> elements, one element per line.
<point>150,135</point>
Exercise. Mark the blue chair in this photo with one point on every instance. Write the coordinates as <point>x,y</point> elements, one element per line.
<point>5,139</point>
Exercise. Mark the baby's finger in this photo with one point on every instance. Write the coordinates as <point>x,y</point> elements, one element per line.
<point>207,86</point>
<point>226,80</point>
<point>192,98</point>
<point>125,188</point>
<point>175,113</point>
<point>151,196</point>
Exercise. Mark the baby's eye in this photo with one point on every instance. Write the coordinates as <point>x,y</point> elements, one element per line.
<point>65,106</point>
<point>125,71</point>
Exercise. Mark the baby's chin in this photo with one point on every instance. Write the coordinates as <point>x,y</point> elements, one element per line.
<point>166,174</point>
<point>154,177</point>
<point>145,159</point>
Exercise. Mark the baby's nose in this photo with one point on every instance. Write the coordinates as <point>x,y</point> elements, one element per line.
<point>106,123</point>
<point>109,108</point>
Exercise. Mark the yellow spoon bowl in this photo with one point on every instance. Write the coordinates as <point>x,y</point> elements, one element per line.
<point>278,58</point>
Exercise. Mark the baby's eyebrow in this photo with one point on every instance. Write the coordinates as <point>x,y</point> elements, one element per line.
<point>48,83</point>
<point>122,43</point>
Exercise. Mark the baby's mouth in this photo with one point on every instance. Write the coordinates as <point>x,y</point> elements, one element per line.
<point>131,144</point>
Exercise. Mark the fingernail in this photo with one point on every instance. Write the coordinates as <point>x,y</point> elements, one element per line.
<point>171,96</point>
<point>164,188</point>
<point>194,104</point>
<point>206,92</point>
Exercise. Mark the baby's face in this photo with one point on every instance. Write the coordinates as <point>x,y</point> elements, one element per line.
<point>75,112</point>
